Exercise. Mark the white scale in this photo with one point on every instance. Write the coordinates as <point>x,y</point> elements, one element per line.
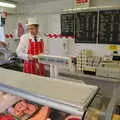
<point>54,62</point>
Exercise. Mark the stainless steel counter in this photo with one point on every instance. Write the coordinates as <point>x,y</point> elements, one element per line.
<point>107,85</point>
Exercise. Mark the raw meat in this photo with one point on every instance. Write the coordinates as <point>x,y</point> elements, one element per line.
<point>43,114</point>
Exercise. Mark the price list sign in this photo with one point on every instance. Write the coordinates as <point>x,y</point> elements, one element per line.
<point>81,3</point>
<point>67,24</point>
<point>86,27</point>
<point>109,27</point>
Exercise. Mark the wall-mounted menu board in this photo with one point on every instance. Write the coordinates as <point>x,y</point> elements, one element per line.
<point>86,27</point>
<point>109,27</point>
<point>67,24</point>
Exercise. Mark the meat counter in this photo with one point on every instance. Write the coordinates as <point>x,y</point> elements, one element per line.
<point>69,97</point>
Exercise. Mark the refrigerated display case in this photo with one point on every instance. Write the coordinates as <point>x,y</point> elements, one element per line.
<point>104,108</point>
<point>63,97</point>
<point>113,109</point>
<point>70,97</point>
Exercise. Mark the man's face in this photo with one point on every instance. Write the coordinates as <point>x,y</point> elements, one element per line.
<point>33,29</point>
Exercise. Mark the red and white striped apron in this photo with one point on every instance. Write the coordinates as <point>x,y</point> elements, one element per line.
<point>33,66</point>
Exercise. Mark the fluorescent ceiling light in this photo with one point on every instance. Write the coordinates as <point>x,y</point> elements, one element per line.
<point>9,5</point>
<point>75,9</point>
<point>92,8</point>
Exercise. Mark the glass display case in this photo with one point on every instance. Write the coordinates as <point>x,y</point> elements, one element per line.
<point>66,100</point>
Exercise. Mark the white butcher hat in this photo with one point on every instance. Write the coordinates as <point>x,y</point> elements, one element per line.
<point>32,21</point>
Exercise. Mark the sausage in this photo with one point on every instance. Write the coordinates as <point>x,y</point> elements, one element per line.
<point>18,113</point>
<point>21,106</point>
<point>30,109</point>
<point>43,114</point>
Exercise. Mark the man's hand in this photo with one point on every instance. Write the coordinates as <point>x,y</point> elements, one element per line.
<point>3,44</point>
<point>30,57</point>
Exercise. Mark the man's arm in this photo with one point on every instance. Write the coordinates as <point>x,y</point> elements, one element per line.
<point>45,40</point>
<point>22,47</point>
<point>3,44</point>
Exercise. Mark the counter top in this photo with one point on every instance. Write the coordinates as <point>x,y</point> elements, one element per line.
<point>82,76</point>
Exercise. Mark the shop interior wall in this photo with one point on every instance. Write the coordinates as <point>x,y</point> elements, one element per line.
<point>100,49</point>
<point>49,19</point>
<point>10,27</point>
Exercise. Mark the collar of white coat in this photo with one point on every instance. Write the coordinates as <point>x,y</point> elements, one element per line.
<point>39,36</point>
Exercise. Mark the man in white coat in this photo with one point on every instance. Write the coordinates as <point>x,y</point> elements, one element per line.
<point>32,44</point>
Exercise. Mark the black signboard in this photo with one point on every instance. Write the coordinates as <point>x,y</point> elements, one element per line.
<point>109,27</point>
<point>86,27</point>
<point>67,24</point>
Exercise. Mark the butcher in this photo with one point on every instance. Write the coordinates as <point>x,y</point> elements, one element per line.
<point>32,43</point>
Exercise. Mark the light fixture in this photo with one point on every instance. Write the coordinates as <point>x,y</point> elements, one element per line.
<point>6,4</point>
<point>75,9</point>
<point>92,8</point>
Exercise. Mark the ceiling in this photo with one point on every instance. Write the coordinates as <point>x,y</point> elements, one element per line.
<point>29,1</point>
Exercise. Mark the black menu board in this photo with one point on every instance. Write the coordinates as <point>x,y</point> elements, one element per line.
<point>86,27</point>
<point>109,27</point>
<point>67,24</point>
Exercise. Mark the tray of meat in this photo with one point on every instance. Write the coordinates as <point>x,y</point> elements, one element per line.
<point>23,109</point>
